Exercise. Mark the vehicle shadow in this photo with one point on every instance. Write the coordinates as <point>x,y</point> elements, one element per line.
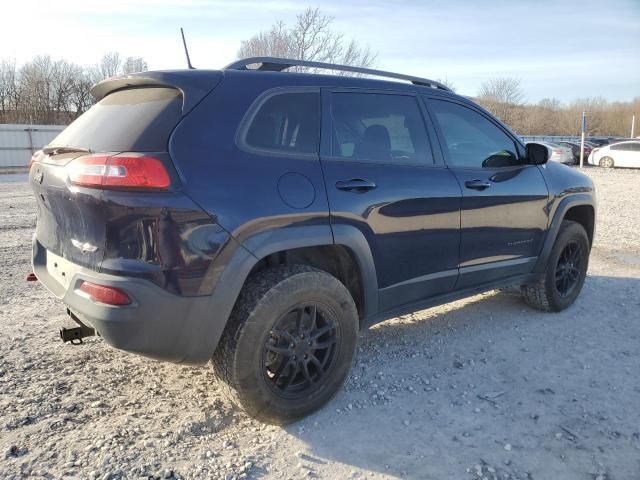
<point>482,381</point>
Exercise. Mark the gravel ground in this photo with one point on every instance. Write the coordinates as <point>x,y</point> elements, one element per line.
<point>480,388</point>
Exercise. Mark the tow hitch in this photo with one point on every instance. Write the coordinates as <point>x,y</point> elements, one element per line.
<point>76,334</point>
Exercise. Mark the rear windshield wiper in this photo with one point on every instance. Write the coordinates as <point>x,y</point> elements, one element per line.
<point>55,150</point>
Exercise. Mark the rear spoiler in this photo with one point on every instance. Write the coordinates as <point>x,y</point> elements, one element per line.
<point>193,84</point>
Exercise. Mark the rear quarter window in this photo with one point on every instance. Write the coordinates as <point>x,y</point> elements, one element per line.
<point>136,119</point>
<point>287,123</point>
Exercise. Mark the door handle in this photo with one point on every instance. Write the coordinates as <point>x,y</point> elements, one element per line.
<point>355,184</point>
<point>477,184</point>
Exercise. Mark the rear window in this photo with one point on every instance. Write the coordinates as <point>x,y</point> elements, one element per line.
<point>137,119</point>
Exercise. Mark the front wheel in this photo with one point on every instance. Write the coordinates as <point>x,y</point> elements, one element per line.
<point>565,272</point>
<point>289,343</point>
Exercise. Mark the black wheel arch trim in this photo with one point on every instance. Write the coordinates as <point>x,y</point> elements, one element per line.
<point>352,238</point>
<point>575,200</point>
<point>246,256</point>
<point>288,238</point>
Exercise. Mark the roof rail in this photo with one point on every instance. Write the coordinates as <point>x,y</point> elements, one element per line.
<point>273,64</point>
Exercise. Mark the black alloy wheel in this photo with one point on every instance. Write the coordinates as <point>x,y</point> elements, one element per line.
<point>289,343</point>
<point>568,268</point>
<point>565,272</point>
<point>301,350</point>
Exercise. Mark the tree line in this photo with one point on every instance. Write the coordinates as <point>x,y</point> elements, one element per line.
<point>505,99</point>
<point>48,91</point>
<point>55,92</point>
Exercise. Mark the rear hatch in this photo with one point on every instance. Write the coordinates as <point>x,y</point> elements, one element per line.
<point>88,180</point>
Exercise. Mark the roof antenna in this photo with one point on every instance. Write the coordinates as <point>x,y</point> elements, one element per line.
<point>186,51</point>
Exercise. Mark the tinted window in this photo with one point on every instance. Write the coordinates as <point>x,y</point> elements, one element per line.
<point>628,147</point>
<point>380,128</point>
<point>137,119</point>
<point>471,139</point>
<point>287,122</point>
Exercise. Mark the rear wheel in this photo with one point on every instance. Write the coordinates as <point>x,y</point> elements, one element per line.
<point>289,343</point>
<point>606,162</point>
<point>565,272</point>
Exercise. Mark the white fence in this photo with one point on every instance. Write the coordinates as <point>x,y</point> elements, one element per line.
<point>18,142</point>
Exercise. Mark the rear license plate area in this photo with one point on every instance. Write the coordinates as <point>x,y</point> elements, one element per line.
<point>60,269</point>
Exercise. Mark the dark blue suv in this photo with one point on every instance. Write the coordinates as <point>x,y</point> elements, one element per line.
<point>260,218</point>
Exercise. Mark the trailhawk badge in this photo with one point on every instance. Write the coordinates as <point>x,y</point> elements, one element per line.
<point>85,247</point>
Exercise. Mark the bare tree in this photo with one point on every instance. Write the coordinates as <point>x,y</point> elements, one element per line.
<point>63,84</point>
<point>275,42</point>
<point>134,64</point>
<point>36,89</point>
<point>8,85</point>
<point>502,97</point>
<point>81,98</point>
<point>110,65</point>
<point>447,83</point>
<point>309,38</point>
<point>502,90</point>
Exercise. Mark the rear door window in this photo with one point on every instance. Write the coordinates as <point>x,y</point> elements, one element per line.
<point>133,120</point>
<point>287,123</point>
<point>379,128</point>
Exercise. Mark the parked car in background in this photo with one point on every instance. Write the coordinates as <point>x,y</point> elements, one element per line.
<point>558,153</point>
<point>602,141</point>
<point>622,154</point>
<point>575,150</point>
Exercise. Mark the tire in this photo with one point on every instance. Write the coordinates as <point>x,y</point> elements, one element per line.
<point>257,356</point>
<point>548,293</point>
<point>606,162</point>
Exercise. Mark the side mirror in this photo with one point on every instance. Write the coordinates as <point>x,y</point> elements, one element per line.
<point>536,154</point>
<point>503,158</point>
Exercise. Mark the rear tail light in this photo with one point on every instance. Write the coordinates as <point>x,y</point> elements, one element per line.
<point>119,171</point>
<point>558,152</point>
<point>34,158</point>
<point>102,294</point>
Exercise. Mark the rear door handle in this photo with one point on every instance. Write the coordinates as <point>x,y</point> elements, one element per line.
<point>355,185</point>
<point>477,184</point>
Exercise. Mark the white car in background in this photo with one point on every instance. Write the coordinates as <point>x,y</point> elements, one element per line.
<point>559,153</point>
<point>622,154</point>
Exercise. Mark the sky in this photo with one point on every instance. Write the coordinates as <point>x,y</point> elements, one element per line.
<point>558,49</point>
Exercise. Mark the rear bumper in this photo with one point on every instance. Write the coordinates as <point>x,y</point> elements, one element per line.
<point>157,324</point>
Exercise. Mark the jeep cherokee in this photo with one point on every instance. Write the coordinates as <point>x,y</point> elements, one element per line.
<point>259,218</point>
